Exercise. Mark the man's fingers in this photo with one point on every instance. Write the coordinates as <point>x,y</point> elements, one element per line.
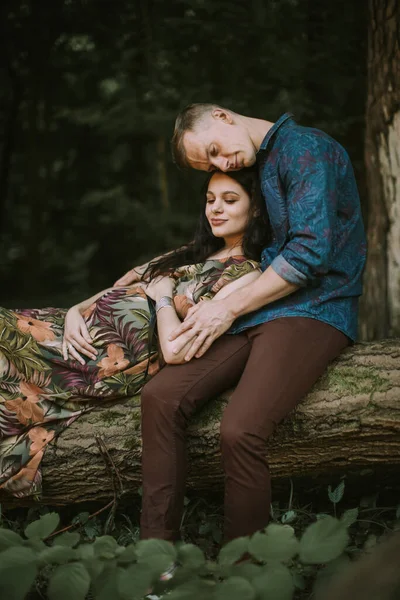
<point>183,327</point>
<point>207,343</point>
<point>195,347</point>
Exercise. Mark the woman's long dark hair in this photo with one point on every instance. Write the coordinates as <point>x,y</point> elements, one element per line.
<point>256,236</point>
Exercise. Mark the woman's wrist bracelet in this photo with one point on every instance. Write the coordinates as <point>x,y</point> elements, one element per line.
<point>164,301</point>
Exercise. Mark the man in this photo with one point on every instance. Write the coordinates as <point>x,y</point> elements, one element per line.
<point>289,324</point>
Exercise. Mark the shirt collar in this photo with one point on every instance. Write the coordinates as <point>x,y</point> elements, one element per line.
<point>274,129</point>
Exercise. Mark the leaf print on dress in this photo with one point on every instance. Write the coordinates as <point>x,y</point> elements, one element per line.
<point>114,362</point>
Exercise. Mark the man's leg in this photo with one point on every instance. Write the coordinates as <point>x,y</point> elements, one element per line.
<point>168,402</point>
<point>286,358</point>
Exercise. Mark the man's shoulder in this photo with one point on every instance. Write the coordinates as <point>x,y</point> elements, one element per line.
<point>301,135</point>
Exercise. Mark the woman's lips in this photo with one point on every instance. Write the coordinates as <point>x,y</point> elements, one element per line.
<point>217,222</point>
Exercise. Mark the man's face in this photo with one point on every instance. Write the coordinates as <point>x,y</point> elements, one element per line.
<point>218,144</point>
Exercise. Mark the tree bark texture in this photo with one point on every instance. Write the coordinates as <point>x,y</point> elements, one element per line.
<point>349,421</point>
<point>380,304</point>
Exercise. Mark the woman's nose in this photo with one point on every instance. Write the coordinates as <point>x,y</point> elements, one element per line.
<point>217,208</point>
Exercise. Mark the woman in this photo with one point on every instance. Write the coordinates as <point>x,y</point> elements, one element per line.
<point>56,364</point>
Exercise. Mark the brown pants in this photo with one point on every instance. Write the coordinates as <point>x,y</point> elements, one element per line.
<point>273,366</point>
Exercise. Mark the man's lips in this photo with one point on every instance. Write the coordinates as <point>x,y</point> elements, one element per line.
<point>218,221</point>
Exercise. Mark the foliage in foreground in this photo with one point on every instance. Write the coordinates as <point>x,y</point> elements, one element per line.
<point>72,569</point>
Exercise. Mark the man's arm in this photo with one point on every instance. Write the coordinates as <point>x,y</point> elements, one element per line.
<point>308,171</point>
<point>208,320</point>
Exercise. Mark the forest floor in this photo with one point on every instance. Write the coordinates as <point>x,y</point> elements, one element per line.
<point>375,506</point>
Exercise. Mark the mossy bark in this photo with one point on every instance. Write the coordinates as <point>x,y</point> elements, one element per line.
<point>350,420</point>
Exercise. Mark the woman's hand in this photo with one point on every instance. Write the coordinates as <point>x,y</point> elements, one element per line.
<point>77,337</point>
<point>160,286</point>
<point>130,277</point>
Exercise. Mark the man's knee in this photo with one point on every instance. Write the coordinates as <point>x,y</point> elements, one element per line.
<point>160,400</point>
<point>236,436</point>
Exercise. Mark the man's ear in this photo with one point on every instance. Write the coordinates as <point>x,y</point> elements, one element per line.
<point>220,114</point>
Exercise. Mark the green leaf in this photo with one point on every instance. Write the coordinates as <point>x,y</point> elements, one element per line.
<point>69,538</point>
<point>128,555</point>
<point>148,548</point>
<point>69,581</point>
<point>134,582</point>
<point>337,494</point>
<point>43,527</point>
<point>104,586</point>
<point>234,588</point>
<point>323,541</point>
<point>191,556</point>
<point>105,546</point>
<point>279,543</point>
<point>349,517</point>
<point>85,551</point>
<point>18,569</point>
<point>289,517</point>
<point>195,589</point>
<point>299,581</point>
<point>275,583</point>
<point>9,538</point>
<point>247,570</point>
<point>57,555</point>
<point>81,518</point>
<point>233,550</point>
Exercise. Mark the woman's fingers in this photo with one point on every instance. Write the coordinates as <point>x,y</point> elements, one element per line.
<point>75,354</point>
<point>86,335</point>
<point>82,346</point>
<point>65,349</point>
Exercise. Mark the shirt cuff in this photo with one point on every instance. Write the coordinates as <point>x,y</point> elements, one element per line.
<point>285,270</point>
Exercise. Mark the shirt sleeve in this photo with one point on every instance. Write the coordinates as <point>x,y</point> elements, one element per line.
<point>309,174</point>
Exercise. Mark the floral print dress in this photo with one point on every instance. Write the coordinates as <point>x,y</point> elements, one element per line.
<point>41,393</point>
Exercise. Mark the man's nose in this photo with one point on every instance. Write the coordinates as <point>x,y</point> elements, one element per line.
<point>222,164</point>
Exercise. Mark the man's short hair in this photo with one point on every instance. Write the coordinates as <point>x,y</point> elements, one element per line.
<point>187,120</point>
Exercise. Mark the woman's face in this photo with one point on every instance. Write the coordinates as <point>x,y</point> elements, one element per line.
<point>227,207</point>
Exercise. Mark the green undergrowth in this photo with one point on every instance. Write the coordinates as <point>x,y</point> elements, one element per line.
<point>97,555</point>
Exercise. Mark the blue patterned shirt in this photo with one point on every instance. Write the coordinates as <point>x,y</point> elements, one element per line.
<point>318,240</point>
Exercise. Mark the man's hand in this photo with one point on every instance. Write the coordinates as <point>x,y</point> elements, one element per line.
<point>130,277</point>
<point>203,324</point>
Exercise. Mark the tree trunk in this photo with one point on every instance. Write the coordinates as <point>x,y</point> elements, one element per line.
<point>350,420</point>
<point>380,305</point>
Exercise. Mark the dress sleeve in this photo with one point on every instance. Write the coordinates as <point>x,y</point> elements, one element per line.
<point>231,273</point>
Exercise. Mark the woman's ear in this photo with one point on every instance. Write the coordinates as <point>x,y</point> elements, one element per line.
<point>257,212</point>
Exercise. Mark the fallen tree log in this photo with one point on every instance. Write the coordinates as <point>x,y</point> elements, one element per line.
<point>350,419</point>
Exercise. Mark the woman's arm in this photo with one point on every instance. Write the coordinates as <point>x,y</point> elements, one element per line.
<point>84,305</point>
<point>236,284</point>
<point>135,274</point>
<point>167,319</point>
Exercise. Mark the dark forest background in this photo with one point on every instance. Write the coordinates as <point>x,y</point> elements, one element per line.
<point>89,90</point>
